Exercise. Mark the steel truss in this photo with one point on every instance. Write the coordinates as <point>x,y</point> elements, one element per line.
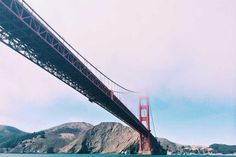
<point>12,13</point>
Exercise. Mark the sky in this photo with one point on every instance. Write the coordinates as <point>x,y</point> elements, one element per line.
<point>182,54</point>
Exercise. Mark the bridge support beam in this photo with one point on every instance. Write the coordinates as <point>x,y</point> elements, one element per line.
<point>144,142</point>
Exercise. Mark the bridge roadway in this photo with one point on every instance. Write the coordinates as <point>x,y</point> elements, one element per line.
<point>24,31</point>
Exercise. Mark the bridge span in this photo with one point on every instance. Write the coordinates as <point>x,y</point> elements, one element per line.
<point>23,30</point>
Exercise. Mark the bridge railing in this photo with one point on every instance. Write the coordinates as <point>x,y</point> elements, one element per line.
<point>114,87</point>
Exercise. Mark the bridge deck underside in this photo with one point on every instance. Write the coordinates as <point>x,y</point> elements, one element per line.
<point>18,32</point>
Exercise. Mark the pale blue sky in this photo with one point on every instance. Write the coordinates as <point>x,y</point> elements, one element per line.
<point>180,53</point>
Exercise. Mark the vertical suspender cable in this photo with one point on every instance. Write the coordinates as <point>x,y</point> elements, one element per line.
<point>152,120</point>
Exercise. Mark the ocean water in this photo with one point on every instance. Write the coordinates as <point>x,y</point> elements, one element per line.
<point>89,155</point>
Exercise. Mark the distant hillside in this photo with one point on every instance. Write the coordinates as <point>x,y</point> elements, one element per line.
<point>179,149</point>
<point>48,141</point>
<point>81,137</point>
<point>74,128</point>
<point>223,148</point>
<point>76,138</point>
<point>7,132</point>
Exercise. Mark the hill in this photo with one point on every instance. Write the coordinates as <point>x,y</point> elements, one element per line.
<point>223,148</point>
<point>77,137</point>
<point>81,137</point>
<point>7,132</point>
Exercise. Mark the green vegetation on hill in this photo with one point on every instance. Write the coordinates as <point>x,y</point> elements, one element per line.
<point>13,142</point>
<point>223,148</point>
<point>7,132</point>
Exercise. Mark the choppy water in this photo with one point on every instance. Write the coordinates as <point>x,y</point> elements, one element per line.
<point>86,155</point>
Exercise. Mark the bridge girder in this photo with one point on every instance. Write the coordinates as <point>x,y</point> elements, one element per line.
<point>27,35</point>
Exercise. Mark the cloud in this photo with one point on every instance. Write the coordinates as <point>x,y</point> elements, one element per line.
<point>23,83</point>
<point>184,48</point>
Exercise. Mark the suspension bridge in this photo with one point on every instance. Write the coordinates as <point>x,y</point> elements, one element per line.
<point>24,31</point>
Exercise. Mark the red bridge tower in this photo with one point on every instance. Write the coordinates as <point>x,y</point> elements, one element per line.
<point>144,142</point>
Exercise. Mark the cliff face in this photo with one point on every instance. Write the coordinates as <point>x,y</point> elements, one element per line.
<point>104,138</point>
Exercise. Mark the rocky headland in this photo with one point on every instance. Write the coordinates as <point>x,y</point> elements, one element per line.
<point>81,137</point>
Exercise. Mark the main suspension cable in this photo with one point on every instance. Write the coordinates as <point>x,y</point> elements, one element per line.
<point>128,90</point>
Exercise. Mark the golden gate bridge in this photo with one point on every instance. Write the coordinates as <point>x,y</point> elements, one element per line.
<point>23,30</point>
